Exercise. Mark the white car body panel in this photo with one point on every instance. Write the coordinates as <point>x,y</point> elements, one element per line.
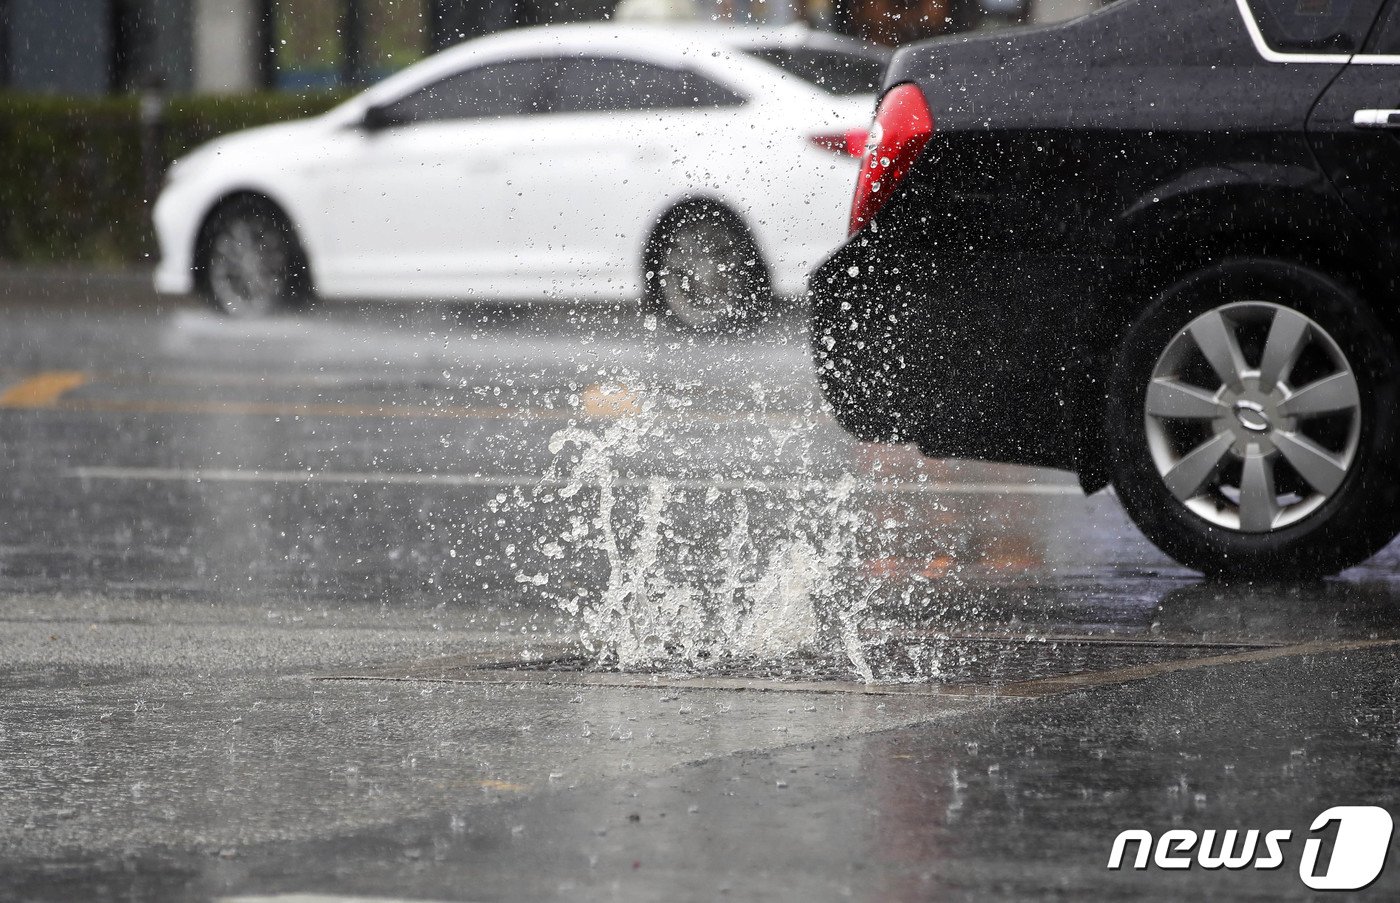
<point>542,205</point>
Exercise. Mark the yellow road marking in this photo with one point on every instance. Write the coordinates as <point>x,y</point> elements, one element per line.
<point>598,402</point>
<point>301,409</point>
<point>425,412</point>
<point>502,785</point>
<point>611,401</point>
<point>42,390</point>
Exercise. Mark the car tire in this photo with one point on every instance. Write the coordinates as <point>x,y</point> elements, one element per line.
<point>251,264</point>
<point>704,271</point>
<point>1252,423</point>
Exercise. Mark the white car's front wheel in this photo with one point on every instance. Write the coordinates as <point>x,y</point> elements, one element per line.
<point>252,264</point>
<point>704,270</point>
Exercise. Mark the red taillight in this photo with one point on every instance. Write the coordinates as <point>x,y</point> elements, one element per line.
<point>851,141</point>
<point>903,125</point>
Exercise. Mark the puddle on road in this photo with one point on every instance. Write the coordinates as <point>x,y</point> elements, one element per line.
<point>947,661</point>
<point>1002,668</point>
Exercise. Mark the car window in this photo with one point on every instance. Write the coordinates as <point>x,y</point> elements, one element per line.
<point>602,84</point>
<point>1386,40</point>
<point>1315,26</point>
<point>839,72</point>
<point>497,89</point>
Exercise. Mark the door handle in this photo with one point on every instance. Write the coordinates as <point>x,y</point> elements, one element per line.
<point>1376,119</point>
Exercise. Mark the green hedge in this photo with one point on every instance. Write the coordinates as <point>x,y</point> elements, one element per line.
<point>71,183</point>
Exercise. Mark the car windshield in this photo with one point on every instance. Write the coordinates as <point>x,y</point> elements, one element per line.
<point>839,72</point>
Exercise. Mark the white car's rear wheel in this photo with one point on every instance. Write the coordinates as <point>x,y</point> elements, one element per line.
<point>704,270</point>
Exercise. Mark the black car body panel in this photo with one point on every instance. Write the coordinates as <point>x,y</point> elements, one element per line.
<point>1074,171</point>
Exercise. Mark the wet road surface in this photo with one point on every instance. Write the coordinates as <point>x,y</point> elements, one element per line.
<point>466,603</point>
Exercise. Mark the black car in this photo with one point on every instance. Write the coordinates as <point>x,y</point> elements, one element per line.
<point>1158,246</point>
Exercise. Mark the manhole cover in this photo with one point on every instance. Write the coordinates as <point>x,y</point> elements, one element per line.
<point>933,665</point>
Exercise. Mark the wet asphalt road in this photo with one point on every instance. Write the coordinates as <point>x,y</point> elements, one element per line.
<point>467,603</point>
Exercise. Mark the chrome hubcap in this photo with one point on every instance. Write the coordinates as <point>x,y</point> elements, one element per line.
<point>1253,416</point>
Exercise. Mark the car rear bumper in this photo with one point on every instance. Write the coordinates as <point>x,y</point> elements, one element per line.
<point>861,365</point>
<point>972,357</point>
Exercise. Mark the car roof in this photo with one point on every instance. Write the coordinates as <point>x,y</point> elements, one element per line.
<point>697,41</point>
<point>676,35</point>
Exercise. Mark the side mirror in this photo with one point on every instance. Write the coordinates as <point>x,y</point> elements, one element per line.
<point>378,117</point>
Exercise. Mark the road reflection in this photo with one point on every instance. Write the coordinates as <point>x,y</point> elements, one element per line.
<point>1280,613</point>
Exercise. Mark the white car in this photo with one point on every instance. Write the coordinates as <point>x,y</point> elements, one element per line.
<point>704,168</point>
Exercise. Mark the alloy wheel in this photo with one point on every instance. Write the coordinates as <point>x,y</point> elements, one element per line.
<point>1253,416</point>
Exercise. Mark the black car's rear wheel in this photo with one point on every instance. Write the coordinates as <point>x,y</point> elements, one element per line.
<point>704,270</point>
<point>1252,423</point>
<point>252,264</point>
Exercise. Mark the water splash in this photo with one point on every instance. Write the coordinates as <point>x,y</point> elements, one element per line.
<point>695,578</point>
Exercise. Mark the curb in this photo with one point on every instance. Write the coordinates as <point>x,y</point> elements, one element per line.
<point>67,285</point>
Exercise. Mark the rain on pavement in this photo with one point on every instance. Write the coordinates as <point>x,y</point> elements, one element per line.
<point>458,602</point>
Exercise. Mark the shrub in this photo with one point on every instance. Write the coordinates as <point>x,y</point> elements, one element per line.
<point>71,175</point>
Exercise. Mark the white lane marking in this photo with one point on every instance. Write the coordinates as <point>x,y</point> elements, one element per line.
<point>513,481</point>
<point>315,898</point>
